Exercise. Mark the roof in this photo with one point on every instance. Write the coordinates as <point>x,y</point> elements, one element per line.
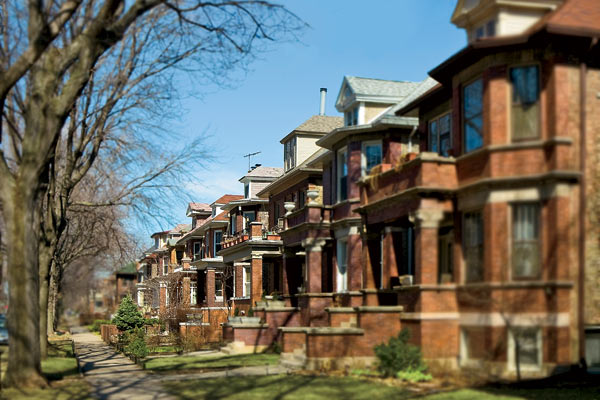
<point>317,124</point>
<point>372,90</point>
<point>227,198</point>
<point>423,87</point>
<point>199,207</point>
<point>264,172</point>
<point>128,269</point>
<point>180,228</point>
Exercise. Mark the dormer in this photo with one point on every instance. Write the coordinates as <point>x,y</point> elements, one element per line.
<point>258,178</point>
<point>198,212</point>
<point>362,100</point>
<point>300,143</point>
<point>489,18</point>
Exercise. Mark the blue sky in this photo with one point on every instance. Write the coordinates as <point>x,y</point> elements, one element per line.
<point>386,39</point>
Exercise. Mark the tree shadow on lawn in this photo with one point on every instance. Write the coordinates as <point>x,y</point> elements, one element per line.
<point>196,364</point>
<point>570,385</point>
<point>280,387</point>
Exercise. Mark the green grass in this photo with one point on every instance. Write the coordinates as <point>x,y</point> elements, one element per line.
<point>65,390</point>
<point>163,349</point>
<point>208,362</point>
<point>288,387</point>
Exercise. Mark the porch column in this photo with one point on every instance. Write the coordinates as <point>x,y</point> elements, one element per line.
<point>186,292</point>
<point>390,264</point>
<point>257,263</point>
<point>162,297</point>
<point>426,244</point>
<point>185,262</point>
<point>314,265</point>
<point>210,287</point>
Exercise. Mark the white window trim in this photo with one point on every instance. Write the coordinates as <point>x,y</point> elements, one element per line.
<point>363,156</point>
<point>361,113</point>
<point>245,281</point>
<point>338,174</point>
<point>165,265</point>
<point>215,242</point>
<point>249,184</point>
<point>512,366</point>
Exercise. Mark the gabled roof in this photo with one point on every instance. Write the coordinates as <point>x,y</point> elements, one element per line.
<point>316,125</point>
<point>227,198</point>
<point>424,87</point>
<point>128,269</point>
<point>264,172</point>
<point>355,89</point>
<point>573,17</point>
<point>198,208</point>
<point>180,228</point>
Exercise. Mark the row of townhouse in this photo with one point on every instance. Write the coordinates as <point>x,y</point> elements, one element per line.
<point>463,208</point>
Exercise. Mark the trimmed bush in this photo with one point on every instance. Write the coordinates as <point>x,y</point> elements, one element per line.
<point>399,355</point>
<point>128,317</point>
<point>95,326</point>
<point>137,344</point>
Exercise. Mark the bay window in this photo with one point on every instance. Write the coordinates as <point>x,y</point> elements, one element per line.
<point>525,241</point>
<point>525,105</point>
<point>371,156</point>
<point>342,175</point>
<point>342,266</point>
<point>217,242</point>
<point>473,246</point>
<point>440,139</point>
<point>473,116</point>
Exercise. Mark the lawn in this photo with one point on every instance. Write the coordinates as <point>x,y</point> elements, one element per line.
<point>182,364</point>
<point>290,387</point>
<point>68,389</point>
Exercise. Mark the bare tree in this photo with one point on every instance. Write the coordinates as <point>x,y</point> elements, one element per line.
<point>51,54</point>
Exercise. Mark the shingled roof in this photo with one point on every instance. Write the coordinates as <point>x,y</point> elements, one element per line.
<point>199,207</point>
<point>320,123</point>
<point>265,172</point>
<point>228,198</point>
<point>380,87</point>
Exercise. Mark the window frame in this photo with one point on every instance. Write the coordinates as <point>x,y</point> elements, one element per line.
<point>538,240</point>
<point>341,285</point>
<point>464,119</point>
<point>193,293</point>
<point>512,105</point>
<point>195,253</point>
<point>363,155</point>
<point>436,119</point>
<point>464,246</point>
<point>215,242</point>
<point>165,265</point>
<point>539,341</point>
<point>246,283</point>
<point>245,223</point>
<point>339,168</point>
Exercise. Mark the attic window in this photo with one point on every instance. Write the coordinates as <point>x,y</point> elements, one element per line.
<point>486,30</point>
<point>289,154</point>
<point>351,117</point>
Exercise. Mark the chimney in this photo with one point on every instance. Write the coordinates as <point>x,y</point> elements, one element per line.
<point>322,106</point>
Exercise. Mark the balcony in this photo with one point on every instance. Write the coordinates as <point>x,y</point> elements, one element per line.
<point>244,235</point>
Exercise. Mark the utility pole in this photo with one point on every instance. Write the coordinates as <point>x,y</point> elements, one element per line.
<point>249,158</point>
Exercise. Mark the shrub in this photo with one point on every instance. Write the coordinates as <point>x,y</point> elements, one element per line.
<point>137,344</point>
<point>128,317</point>
<point>413,376</point>
<point>399,355</point>
<point>95,326</point>
<point>250,312</point>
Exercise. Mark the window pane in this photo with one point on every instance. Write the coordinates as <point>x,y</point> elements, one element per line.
<point>373,156</point>
<point>525,100</point>
<point>528,351</point>
<point>526,251</point>
<point>472,112</point>
<point>433,136</point>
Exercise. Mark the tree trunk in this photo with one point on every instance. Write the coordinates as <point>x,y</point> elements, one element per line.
<point>20,208</point>
<point>45,259</point>
<point>53,298</point>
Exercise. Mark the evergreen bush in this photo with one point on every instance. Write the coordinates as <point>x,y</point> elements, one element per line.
<point>399,355</point>
<point>137,344</point>
<point>128,317</point>
<point>95,326</point>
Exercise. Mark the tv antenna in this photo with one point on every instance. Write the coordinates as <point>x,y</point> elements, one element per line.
<point>250,157</point>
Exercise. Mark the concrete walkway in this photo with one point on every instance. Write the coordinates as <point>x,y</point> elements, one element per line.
<point>114,376</point>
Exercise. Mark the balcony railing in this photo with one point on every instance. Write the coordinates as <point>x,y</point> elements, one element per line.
<point>242,236</point>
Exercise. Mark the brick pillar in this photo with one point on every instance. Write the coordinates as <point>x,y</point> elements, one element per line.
<point>162,297</point>
<point>426,245</point>
<point>185,262</point>
<point>256,230</point>
<point>210,287</point>
<point>256,283</point>
<point>186,291</point>
<point>354,255</point>
<point>390,264</point>
<point>238,270</point>
<point>369,269</point>
<point>314,267</point>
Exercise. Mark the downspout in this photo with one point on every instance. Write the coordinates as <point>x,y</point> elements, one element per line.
<point>582,207</point>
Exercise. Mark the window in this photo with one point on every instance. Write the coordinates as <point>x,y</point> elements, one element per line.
<point>440,137</point>
<point>486,30</point>
<point>219,288</point>
<point>473,115</point>
<point>166,295</point>
<point>525,243</point>
<point>247,190</point>
<point>351,117</point>
<point>445,254</point>
<point>193,293</point>
<point>525,110</point>
<point>371,156</point>
<point>218,237</point>
<point>249,216</point>
<point>165,265</point>
<point>246,281</point>
<point>473,344</point>
<point>289,154</point>
<point>301,199</point>
<point>179,256</point>
<point>342,175</point>
<point>592,348</point>
<point>525,348</point>
<point>342,266</point>
<point>473,246</point>
<point>233,224</point>
<point>197,250</point>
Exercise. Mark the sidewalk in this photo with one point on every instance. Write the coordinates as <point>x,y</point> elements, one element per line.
<point>112,375</point>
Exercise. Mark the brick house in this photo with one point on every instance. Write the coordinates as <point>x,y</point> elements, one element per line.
<point>469,210</point>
